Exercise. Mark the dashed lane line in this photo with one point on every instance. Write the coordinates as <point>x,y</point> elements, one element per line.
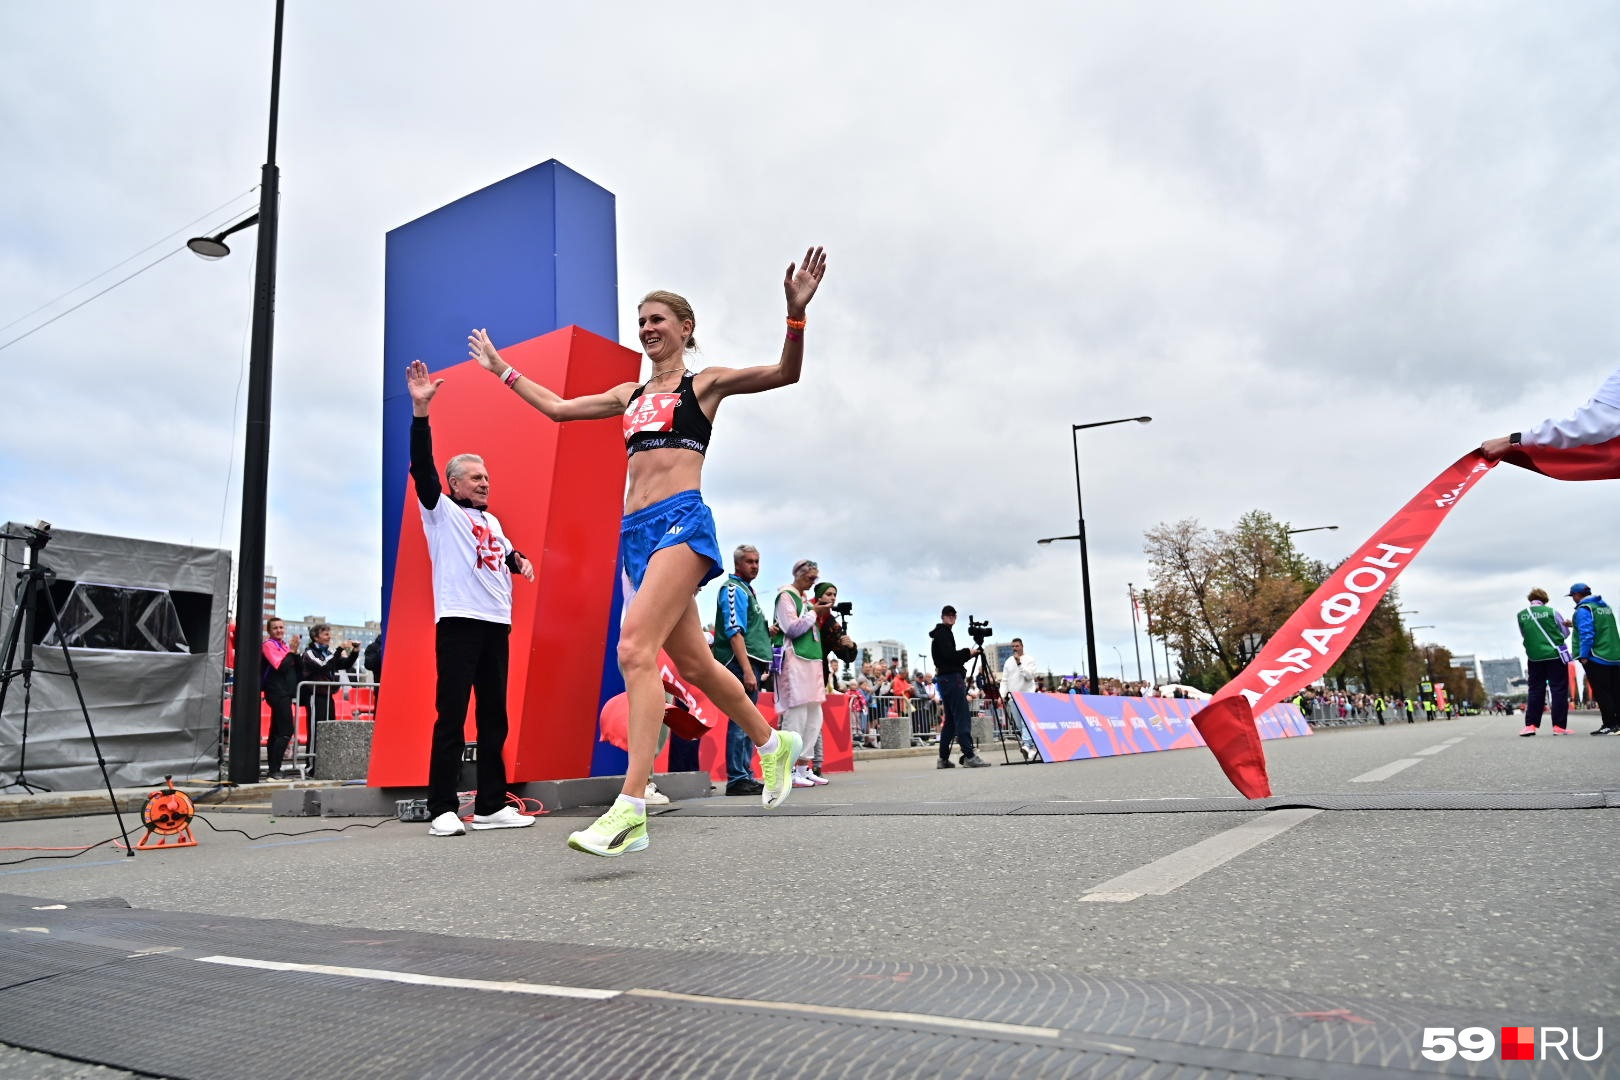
<point>1384,772</point>
<point>1179,867</point>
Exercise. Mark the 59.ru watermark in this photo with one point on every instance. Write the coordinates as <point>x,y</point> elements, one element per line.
<point>1517,1044</point>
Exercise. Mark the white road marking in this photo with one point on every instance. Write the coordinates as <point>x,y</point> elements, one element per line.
<point>1431,750</point>
<point>957,1023</point>
<point>1384,772</point>
<point>931,1019</point>
<point>541,989</point>
<point>1453,742</point>
<point>1179,867</point>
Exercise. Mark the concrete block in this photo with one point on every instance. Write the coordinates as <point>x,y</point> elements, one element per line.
<point>358,801</point>
<point>588,791</point>
<point>296,802</point>
<point>342,749</point>
<point>895,732</point>
<point>684,785</point>
<point>984,732</point>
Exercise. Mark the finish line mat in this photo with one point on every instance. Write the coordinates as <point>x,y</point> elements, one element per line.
<point>204,996</point>
<point>1390,800</point>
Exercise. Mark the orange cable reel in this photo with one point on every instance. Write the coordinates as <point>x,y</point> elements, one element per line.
<point>167,816</point>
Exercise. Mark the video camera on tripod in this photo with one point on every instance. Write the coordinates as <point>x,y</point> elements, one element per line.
<point>36,536</point>
<point>979,631</point>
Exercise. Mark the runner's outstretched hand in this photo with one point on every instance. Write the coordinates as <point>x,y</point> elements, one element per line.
<point>800,283</point>
<point>481,349</point>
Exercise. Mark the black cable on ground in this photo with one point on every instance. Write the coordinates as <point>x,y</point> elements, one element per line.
<point>305,832</point>
<point>75,855</point>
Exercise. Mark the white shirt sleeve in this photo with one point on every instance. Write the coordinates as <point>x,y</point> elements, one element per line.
<point>1597,421</point>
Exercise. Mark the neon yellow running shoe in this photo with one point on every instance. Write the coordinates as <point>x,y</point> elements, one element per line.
<point>623,828</point>
<point>778,768</point>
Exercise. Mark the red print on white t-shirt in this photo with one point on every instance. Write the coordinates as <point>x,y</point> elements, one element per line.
<point>488,552</point>
<point>651,412</point>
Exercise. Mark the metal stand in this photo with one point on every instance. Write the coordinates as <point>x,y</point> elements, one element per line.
<point>978,675</point>
<point>33,591</point>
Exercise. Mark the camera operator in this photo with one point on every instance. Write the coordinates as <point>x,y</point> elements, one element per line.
<point>836,645</point>
<point>951,677</point>
<point>835,639</point>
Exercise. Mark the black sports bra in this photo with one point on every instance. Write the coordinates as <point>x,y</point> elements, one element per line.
<point>656,421</point>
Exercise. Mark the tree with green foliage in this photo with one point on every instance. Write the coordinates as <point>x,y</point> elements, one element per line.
<point>1219,594</point>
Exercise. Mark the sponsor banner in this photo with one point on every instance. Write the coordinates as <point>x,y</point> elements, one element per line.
<point>1071,727</point>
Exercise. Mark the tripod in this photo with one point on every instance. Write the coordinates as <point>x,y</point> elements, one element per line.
<point>33,592</point>
<point>978,674</point>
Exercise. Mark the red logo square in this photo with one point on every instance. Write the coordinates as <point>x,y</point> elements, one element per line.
<point>1518,1044</point>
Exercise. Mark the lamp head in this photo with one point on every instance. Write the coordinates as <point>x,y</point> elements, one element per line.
<point>208,247</point>
<point>214,247</point>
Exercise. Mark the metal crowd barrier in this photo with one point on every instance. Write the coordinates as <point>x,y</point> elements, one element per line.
<point>925,714</point>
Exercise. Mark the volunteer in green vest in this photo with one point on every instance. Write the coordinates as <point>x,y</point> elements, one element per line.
<point>1598,650</point>
<point>798,685</point>
<point>1544,632</point>
<point>742,643</point>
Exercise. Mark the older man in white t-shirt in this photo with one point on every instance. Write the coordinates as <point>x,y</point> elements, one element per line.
<point>473,564</point>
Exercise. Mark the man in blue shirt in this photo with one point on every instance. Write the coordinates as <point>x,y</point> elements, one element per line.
<point>743,644</point>
<point>1598,650</point>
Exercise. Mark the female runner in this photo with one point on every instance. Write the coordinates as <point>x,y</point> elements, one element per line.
<point>668,543</point>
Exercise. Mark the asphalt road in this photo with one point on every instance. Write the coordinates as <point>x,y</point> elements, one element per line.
<point>1501,911</point>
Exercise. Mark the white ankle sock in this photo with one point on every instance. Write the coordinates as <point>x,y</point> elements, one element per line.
<point>639,804</point>
<point>769,746</point>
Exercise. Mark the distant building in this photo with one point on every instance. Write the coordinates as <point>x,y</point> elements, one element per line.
<point>269,595</point>
<point>996,653</point>
<point>1498,675</point>
<point>1467,662</point>
<point>887,650</point>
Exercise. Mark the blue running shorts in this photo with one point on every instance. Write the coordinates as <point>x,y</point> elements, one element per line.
<point>680,519</point>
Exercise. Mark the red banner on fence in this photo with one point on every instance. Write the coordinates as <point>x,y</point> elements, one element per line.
<point>1315,636</point>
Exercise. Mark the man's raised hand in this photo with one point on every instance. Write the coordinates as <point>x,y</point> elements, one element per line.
<point>422,386</point>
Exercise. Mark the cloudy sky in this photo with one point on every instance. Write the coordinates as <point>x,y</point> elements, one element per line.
<point>1328,247</point>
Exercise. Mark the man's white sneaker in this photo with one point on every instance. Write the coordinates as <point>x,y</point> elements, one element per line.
<point>507,817</point>
<point>815,778</point>
<point>801,777</point>
<point>447,824</point>
<point>654,797</point>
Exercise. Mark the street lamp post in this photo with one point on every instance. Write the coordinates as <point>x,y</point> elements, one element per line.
<point>1428,665</point>
<point>1153,662</point>
<point>1085,562</point>
<point>244,746</point>
<point>1313,528</point>
<point>1136,636</point>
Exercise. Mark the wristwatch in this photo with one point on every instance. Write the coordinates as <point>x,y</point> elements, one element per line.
<point>1516,438</point>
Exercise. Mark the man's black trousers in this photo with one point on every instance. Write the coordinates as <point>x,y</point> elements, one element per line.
<point>958,724</point>
<point>1604,680</point>
<point>472,658</point>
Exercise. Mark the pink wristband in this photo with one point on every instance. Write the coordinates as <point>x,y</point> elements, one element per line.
<point>511,377</point>
<point>794,336</point>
